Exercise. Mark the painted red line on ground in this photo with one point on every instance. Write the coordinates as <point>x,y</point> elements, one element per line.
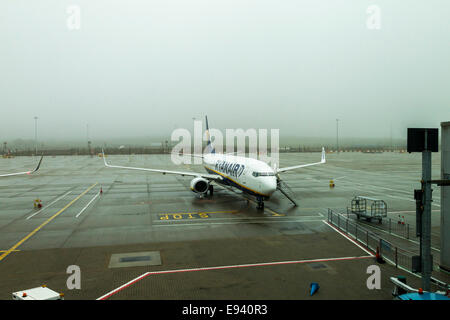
<point>126,285</point>
<point>367,250</point>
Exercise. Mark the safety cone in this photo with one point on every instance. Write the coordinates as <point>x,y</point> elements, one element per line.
<point>314,287</point>
<point>101,190</point>
<point>403,220</point>
<point>378,256</point>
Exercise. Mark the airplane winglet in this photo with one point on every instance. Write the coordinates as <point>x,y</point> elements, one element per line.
<point>37,167</point>
<point>104,158</point>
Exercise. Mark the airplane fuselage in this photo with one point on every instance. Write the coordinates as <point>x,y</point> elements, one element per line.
<point>250,175</point>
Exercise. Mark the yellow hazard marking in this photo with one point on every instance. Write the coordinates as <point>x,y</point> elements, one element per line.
<point>7,252</point>
<point>274,214</point>
<point>190,215</point>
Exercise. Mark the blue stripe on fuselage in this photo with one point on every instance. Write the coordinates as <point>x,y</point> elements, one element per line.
<point>227,181</point>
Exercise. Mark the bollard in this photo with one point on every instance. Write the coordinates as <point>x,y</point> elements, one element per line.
<point>367,239</point>
<point>396,258</point>
<point>37,203</point>
<point>314,287</point>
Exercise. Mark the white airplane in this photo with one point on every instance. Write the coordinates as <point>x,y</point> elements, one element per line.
<point>252,176</point>
<point>24,172</point>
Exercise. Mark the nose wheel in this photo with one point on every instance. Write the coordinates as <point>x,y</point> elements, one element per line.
<point>260,203</point>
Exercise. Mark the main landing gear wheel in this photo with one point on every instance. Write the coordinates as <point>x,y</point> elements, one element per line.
<point>211,190</point>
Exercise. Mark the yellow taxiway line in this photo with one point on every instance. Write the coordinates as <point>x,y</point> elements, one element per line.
<point>14,247</point>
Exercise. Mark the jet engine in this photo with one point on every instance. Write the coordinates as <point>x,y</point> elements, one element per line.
<point>199,185</point>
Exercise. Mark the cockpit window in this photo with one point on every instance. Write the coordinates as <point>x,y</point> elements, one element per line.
<point>262,174</point>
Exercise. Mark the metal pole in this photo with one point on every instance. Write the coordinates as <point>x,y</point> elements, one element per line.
<point>426,220</point>
<point>389,225</point>
<point>337,135</point>
<point>396,258</point>
<point>35,134</point>
<point>407,231</point>
<point>367,238</point>
<point>391,137</point>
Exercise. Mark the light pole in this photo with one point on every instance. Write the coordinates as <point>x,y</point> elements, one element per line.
<point>35,134</point>
<point>391,137</point>
<point>337,135</point>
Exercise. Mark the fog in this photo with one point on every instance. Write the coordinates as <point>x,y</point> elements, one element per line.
<point>143,68</point>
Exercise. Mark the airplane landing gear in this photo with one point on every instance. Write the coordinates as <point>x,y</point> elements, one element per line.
<point>211,190</point>
<point>260,203</point>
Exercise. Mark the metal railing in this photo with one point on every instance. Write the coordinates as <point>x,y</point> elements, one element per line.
<point>397,227</point>
<point>399,257</point>
<point>393,254</point>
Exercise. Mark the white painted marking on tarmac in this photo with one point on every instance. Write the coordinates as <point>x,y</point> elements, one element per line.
<point>228,223</point>
<point>390,189</point>
<point>31,216</point>
<point>433,204</point>
<point>129,283</point>
<point>347,237</point>
<point>396,235</point>
<point>411,211</point>
<point>82,210</point>
<point>373,187</point>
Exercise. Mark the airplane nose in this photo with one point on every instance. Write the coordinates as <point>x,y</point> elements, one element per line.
<point>270,185</point>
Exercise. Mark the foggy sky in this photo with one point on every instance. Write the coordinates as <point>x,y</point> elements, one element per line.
<point>142,68</point>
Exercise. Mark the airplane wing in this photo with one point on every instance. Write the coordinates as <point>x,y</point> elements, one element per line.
<point>303,165</point>
<point>193,155</point>
<point>25,172</point>
<point>182,173</point>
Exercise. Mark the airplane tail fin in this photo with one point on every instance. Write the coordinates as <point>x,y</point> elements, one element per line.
<point>209,146</point>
